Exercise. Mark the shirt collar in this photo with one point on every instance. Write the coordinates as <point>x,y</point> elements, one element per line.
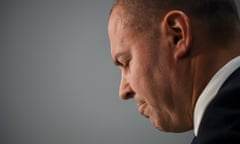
<point>211,90</point>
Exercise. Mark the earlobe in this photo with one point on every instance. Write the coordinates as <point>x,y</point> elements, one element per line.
<point>177,27</point>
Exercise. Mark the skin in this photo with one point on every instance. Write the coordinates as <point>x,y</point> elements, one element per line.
<point>165,75</point>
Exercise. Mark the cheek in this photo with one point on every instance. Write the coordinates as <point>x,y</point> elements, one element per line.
<point>153,85</point>
<point>148,78</point>
<point>143,82</point>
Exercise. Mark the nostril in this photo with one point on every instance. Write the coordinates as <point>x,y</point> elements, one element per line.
<point>129,95</point>
<point>125,91</point>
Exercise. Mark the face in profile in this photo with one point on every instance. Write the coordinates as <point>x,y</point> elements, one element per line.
<point>147,75</point>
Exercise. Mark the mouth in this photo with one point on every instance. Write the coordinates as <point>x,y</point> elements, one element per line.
<point>141,109</point>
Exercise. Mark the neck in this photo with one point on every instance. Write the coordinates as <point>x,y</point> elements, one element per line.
<point>207,63</point>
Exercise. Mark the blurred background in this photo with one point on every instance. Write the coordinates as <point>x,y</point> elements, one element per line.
<point>58,84</point>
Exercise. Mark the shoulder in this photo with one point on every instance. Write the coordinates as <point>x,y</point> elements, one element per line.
<point>221,120</point>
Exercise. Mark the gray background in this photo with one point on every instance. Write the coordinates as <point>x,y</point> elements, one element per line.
<point>57,81</point>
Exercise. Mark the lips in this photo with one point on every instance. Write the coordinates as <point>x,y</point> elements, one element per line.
<point>141,109</point>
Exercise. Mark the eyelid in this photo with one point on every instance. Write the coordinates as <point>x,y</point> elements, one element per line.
<point>123,60</point>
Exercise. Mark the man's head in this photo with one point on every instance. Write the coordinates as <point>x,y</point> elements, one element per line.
<point>157,43</point>
<point>144,16</point>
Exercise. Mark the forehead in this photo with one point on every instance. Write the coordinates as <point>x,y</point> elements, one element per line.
<point>116,30</point>
<point>116,24</point>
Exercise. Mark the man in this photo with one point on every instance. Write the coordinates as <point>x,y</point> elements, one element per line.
<point>179,61</point>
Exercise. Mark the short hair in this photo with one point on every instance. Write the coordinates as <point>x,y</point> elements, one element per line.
<point>221,16</point>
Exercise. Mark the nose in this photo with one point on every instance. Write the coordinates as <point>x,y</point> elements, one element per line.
<point>125,90</point>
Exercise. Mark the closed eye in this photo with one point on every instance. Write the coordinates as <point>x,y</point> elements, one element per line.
<point>117,63</point>
<point>121,64</point>
<point>124,62</point>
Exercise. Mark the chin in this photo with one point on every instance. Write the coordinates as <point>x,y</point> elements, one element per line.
<point>156,124</point>
<point>171,129</point>
<point>167,126</point>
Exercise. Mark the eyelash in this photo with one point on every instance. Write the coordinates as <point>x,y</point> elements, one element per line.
<point>124,63</point>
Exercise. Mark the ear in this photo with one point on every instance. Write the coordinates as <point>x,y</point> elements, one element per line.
<point>176,26</point>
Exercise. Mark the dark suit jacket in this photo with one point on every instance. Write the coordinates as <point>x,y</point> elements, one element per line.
<point>221,120</point>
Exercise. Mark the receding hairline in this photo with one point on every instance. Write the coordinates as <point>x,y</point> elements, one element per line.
<point>128,20</point>
<point>142,15</point>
